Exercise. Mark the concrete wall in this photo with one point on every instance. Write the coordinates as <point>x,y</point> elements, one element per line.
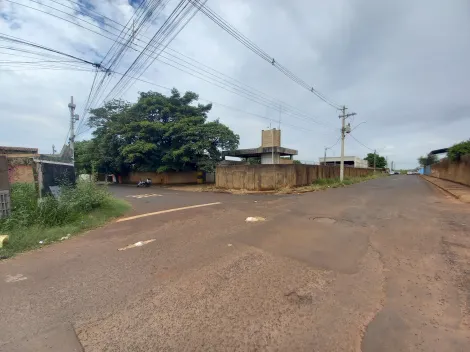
<point>269,177</point>
<point>453,171</point>
<point>165,178</point>
<point>285,161</point>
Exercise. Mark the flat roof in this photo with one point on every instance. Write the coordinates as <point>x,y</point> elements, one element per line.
<point>6,150</point>
<point>440,151</point>
<point>256,152</point>
<point>338,158</point>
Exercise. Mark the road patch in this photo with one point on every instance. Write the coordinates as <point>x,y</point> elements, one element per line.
<point>15,278</point>
<point>137,244</point>
<point>255,219</point>
<point>167,211</point>
<point>140,196</point>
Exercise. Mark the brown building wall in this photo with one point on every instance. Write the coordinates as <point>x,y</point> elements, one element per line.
<point>21,174</point>
<point>4,179</point>
<point>267,138</point>
<point>20,163</point>
<point>453,171</point>
<point>20,170</point>
<point>269,177</point>
<point>165,178</point>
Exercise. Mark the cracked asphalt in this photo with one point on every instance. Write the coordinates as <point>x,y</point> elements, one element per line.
<point>377,266</point>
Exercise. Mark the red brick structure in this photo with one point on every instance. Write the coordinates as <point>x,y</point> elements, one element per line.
<point>20,163</point>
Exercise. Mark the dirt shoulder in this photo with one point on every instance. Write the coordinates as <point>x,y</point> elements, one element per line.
<point>456,190</point>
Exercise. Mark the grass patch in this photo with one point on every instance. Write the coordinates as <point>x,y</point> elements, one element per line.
<point>325,183</point>
<point>78,209</point>
<point>335,182</point>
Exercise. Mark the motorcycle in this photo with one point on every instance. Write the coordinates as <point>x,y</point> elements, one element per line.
<point>145,183</point>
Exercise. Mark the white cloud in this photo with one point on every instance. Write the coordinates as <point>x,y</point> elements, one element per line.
<point>402,66</point>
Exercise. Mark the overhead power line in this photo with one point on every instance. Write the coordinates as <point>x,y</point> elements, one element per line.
<point>172,26</point>
<point>334,143</point>
<point>221,80</point>
<point>217,104</point>
<point>360,142</point>
<point>15,40</point>
<point>198,69</point>
<point>257,50</point>
<point>178,55</point>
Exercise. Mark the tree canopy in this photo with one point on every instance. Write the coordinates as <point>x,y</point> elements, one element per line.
<point>380,161</point>
<point>458,150</point>
<point>428,160</point>
<point>158,133</point>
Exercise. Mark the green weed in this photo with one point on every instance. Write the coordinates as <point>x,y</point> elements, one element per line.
<point>77,209</point>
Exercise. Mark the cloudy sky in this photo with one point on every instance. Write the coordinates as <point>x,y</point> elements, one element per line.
<point>401,65</point>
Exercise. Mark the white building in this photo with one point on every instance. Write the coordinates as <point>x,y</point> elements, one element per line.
<point>349,161</point>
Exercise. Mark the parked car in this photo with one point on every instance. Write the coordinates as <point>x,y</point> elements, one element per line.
<point>409,172</point>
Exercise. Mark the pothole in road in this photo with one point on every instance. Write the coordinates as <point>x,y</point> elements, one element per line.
<point>294,297</point>
<point>324,220</point>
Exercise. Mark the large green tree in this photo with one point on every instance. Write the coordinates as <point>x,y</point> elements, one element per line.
<point>159,133</point>
<point>380,161</point>
<point>84,157</point>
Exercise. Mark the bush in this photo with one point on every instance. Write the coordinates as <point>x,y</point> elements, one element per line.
<point>458,150</point>
<point>74,201</point>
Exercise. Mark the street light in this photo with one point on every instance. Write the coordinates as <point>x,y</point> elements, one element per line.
<point>357,126</point>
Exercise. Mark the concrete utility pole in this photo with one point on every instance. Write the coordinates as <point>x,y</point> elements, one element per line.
<point>272,147</point>
<point>73,118</point>
<point>344,129</point>
<point>324,158</point>
<point>375,154</point>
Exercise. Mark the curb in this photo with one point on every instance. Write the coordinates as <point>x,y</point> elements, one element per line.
<point>440,187</point>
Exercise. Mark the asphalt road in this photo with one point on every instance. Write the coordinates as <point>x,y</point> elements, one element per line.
<point>377,266</point>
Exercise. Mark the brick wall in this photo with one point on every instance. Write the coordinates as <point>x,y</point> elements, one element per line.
<point>20,170</point>
<point>21,174</point>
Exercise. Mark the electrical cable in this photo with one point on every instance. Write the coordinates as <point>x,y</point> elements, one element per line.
<point>253,47</point>
<point>360,142</point>
<point>24,42</point>
<point>335,143</point>
<point>286,108</point>
<point>172,50</point>
<point>141,63</point>
<point>217,104</point>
